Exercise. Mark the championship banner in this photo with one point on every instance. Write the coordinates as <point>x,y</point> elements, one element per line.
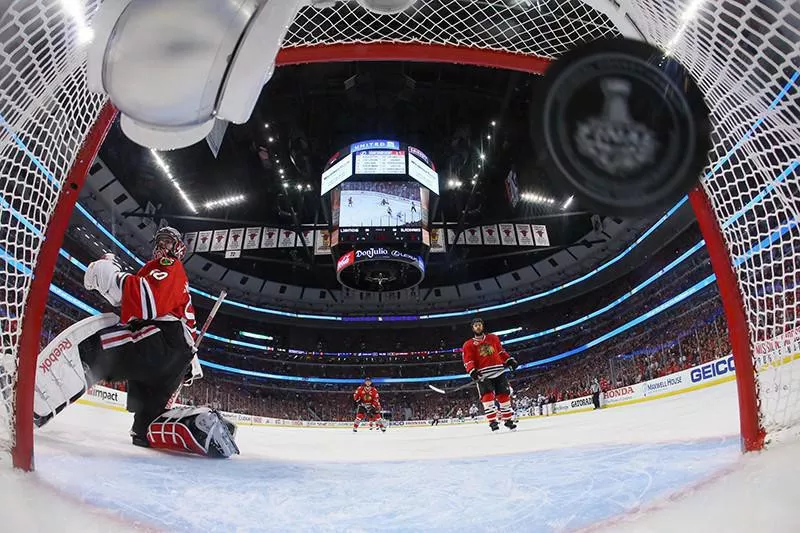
<point>451,237</point>
<point>507,235</point>
<point>540,236</point>
<point>219,240</point>
<point>252,238</point>
<point>287,238</point>
<point>269,239</point>
<point>322,242</point>
<point>473,236</point>
<point>203,241</point>
<point>524,235</point>
<point>437,241</point>
<point>235,237</point>
<point>191,241</point>
<point>308,235</point>
<point>491,236</point>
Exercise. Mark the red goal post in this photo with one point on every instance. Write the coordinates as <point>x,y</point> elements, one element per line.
<point>51,128</point>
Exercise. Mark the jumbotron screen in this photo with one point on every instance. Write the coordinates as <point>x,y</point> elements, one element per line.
<point>380,203</point>
<point>379,193</point>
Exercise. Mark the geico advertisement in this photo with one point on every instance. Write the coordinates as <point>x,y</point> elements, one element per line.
<point>712,370</point>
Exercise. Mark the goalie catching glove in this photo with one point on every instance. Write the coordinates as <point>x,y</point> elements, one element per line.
<point>196,430</point>
<point>105,277</point>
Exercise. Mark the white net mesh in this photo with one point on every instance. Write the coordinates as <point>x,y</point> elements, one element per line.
<point>743,53</point>
<point>538,28</point>
<point>45,114</point>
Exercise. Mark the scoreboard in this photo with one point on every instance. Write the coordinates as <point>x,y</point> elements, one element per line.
<point>379,158</point>
<point>381,162</point>
<point>379,192</point>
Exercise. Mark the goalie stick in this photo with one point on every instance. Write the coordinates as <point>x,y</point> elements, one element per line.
<point>203,330</point>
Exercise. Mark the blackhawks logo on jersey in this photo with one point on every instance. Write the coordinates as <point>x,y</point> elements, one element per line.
<point>485,350</point>
<point>166,261</point>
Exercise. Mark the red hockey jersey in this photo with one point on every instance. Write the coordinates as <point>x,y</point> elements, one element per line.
<point>367,396</point>
<point>485,354</point>
<point>159,291</point>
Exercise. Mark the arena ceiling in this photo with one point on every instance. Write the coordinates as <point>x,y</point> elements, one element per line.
<point>307,112</point>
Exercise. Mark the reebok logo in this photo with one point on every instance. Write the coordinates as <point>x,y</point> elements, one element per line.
<point>55,355</point>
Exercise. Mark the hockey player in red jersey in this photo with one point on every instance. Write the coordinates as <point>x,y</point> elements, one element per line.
<point>151,347</point>
<point>486,361</point>
<point>368,405</point>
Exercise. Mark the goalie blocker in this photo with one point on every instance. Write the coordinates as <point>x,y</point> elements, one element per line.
<point>153,357</point>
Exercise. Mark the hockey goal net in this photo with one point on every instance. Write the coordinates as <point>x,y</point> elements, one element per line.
<point>743,54</point>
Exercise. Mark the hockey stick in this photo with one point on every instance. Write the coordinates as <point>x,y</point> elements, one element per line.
<point>223,293</point>
<point>460,387</point>
<point>221,298</point>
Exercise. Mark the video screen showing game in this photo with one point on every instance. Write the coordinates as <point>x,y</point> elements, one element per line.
<point>380,204</point>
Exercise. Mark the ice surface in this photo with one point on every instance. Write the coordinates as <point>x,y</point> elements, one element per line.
<point>668,465</point>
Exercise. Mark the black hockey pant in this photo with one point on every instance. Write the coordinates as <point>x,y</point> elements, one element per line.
<point>152,356</point>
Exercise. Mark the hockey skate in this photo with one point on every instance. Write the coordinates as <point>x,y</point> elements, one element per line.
<point>494,425</point>
<point>510,424</point>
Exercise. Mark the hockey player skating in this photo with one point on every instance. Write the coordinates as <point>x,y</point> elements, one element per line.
<point>368,405</point>
<point>473,413</point>
<point>460,414</point>
<point>151,347</point>
<point>485,361</point>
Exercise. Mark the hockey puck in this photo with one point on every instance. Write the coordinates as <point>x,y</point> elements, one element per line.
<point>621,126</point>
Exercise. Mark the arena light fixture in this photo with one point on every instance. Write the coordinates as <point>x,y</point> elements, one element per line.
<point>686,18</point>
<point>75,9</point>
<point>271,139</point>
<point>567,203</point>
<point>225,202</point>
<point>258,336</point>
<point>167,172</point>
<point>536,198</point>
<point>494,123</point>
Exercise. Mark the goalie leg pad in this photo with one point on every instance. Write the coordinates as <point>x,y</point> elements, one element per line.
<point>197,430</point>
<point>60,374</point>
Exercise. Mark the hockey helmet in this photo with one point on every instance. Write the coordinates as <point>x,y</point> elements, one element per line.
<point>168,243</point>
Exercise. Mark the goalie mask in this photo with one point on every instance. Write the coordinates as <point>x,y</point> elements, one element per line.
<point>168,243</point>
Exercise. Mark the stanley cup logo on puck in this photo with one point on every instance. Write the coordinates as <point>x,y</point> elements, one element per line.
<point>613,141</point>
